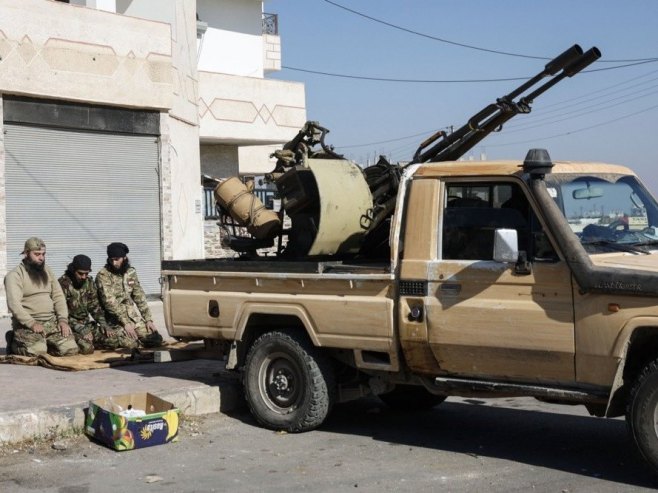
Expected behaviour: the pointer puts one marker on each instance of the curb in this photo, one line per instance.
(17, 426)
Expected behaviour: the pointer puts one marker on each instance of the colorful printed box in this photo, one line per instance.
(130, 421)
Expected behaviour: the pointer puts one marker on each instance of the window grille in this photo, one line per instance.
(270, 24)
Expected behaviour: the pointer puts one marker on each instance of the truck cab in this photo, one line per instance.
(526, 319)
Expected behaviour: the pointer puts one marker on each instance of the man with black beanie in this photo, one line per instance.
(124, 300)
(86, 317)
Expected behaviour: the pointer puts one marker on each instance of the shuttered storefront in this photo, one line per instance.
(80, 190)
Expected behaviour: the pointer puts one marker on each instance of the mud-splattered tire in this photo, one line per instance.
(642, 414)
(289, 385)
(410, 398)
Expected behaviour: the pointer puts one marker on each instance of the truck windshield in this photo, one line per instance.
(607, 212)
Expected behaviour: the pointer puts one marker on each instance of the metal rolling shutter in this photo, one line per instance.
(79, 191)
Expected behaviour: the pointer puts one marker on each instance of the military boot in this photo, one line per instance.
(152, 340)
(9, 339)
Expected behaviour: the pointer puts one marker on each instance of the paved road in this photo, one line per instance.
(464, 445)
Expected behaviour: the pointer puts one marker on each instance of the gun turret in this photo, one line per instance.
(451, 147)
(336, 208)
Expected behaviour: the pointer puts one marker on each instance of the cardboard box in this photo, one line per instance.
(116, 421)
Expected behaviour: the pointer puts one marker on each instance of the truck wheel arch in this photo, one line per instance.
(637, 347)
(254, 319)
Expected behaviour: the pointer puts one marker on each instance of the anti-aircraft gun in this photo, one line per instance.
(338, 209)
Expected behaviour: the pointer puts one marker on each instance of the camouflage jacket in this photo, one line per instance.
(82, 302)
(122, 297)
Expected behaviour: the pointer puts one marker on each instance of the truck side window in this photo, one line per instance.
(473, 211)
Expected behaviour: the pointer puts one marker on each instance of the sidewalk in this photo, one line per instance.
(37, 401)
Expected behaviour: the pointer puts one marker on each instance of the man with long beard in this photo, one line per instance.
(124, 300)
(38, 308)
(86, 317)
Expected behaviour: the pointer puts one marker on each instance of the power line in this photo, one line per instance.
(564, 134)
(463, 45)
(584, 111)
(385, 79)
(571, 132)
(442, 40)
(412, 146)
(600, 106)
(384, 141)
(587, 97)
(445, 81)
(535, 122)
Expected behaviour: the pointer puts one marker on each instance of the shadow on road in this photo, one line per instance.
(587, 446)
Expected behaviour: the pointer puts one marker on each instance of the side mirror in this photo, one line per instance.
(506, 245)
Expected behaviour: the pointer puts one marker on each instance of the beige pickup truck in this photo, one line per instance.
(532, 278)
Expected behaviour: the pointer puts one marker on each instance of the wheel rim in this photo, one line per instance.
(655, 420)
(280, 383)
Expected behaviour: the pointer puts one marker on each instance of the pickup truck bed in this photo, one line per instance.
(276, 265)
(340, 305)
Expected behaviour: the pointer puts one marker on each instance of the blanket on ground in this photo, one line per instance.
(99, 358)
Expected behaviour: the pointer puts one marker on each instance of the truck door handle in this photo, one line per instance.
(450, 288)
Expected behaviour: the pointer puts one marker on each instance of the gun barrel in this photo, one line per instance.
(588, 58)
(564, 59)
(492, 117)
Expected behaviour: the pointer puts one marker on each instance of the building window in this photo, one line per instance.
(210, 209)
(270, 24)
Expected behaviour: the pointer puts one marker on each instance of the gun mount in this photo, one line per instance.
(338, 208)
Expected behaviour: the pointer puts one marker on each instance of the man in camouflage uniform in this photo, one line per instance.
(124, 301)
(38, 308)
(86, 317)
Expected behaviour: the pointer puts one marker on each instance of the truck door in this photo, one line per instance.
(485, 318)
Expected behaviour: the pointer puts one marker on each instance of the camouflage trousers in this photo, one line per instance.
(29, 343)
(119, 338)
(91, 335)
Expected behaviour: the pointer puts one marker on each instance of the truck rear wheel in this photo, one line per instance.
(289, 385)
(411, 398)
(642, 414)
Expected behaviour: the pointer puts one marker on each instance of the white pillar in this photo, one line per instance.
(106, 5)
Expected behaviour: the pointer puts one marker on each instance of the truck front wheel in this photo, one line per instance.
(289, 385)
(642, 414)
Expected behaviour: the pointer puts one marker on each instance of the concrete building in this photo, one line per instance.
(111, 110)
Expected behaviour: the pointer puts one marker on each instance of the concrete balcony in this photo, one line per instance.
(247, 111)
(56, 50)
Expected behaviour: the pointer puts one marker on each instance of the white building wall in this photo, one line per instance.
(56, 50)
(107, 5)
(233, 42)
(182, 218)
(256, 160)
(144, 59)
(249, 110)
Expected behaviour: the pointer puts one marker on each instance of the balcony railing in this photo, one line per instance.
(271, 24)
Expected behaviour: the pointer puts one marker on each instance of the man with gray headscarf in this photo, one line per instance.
(38, 307)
